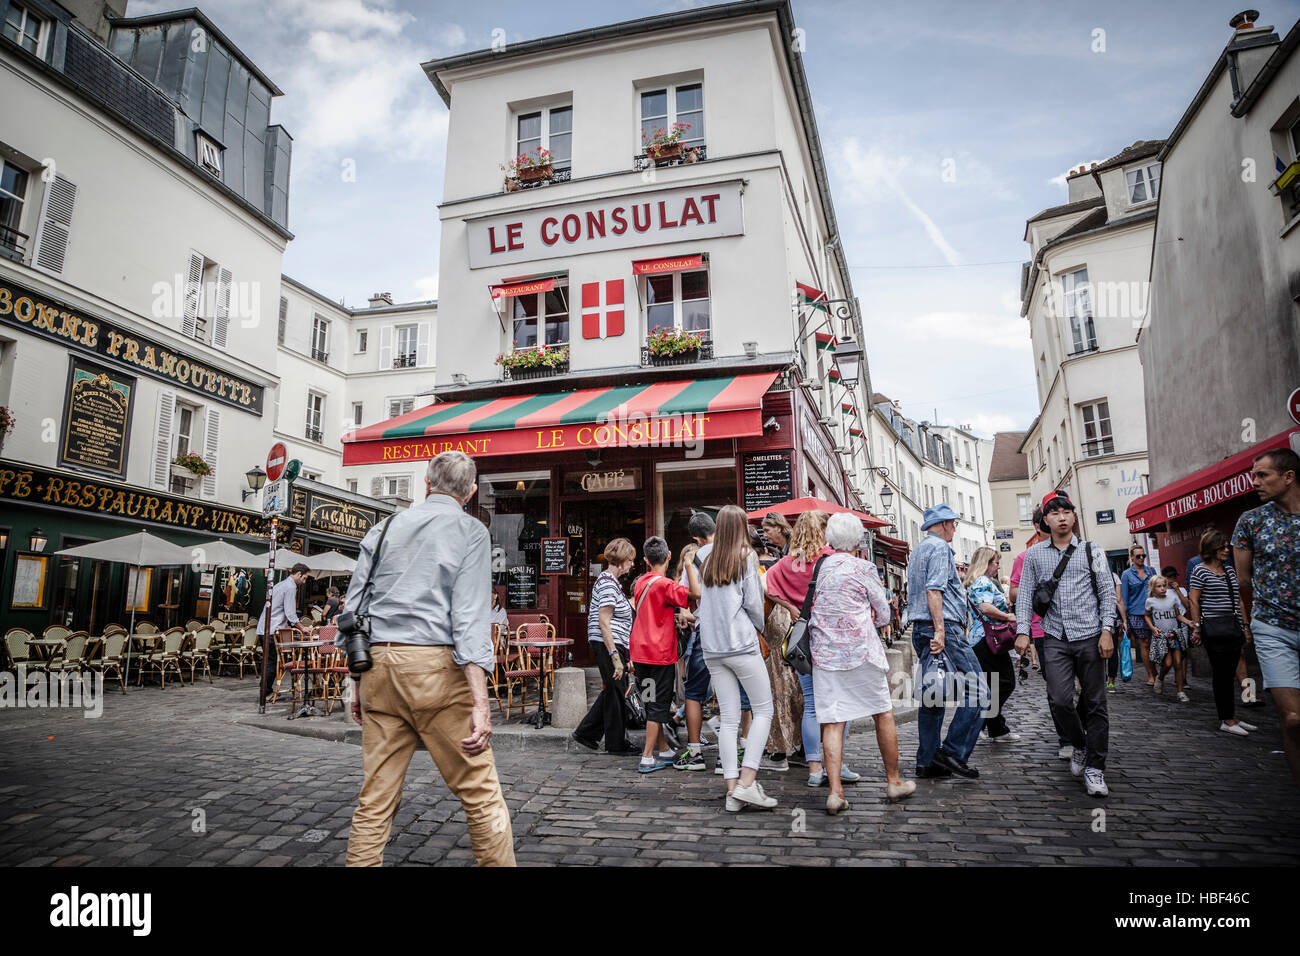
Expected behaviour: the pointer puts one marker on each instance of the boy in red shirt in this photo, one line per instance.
(653, 647)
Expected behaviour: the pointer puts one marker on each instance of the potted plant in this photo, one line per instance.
(535, 362)
(667, 345)
(189, 466)
(665, 144)
(7, 423)
(528, 167)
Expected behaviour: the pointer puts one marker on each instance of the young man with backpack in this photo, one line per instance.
(653, 649)
(1068, 583)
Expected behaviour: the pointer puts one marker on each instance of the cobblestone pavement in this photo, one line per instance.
(169, 777)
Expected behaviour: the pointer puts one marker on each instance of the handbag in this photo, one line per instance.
(1125, 658)
(1223, 630)
(797, 650)
(999, 636)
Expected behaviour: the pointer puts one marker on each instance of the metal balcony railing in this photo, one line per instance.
(1098, 447)
(315, 434)
(690, 154)
(405, 360)
(13, 243)
(320, 356)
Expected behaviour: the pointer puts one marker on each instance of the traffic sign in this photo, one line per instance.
(291, 470)
(275, 460)
(275, 500)
(1293, 406)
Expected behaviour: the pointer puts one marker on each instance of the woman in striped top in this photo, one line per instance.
(609, 628)
(1213, 592)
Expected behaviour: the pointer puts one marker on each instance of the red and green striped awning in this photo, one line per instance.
(658, 414)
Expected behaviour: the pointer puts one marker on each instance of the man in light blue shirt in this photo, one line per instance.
(937, 612)
(284, 601)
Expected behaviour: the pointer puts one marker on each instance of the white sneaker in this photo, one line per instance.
(1077, 758)
(1010, 738)
(1250, 727)
(1159, 688)
(1094, 781)
(753, 795)
(1237, 729)
(734, 805)
(1065, 751)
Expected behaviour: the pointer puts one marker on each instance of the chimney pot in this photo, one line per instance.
(380, 299)
(1244, 20)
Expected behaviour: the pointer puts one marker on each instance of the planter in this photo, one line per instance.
(533, 174)
(678, 358)
(535, 371)
(664, 153)
(180, 471)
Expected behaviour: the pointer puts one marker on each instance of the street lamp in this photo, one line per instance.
(256, 479)
(38, 540)
(848, 362)
(886, 495)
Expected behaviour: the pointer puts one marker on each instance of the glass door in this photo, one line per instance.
(590, 524)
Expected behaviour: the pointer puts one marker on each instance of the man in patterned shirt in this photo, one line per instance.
(1077, 635)
(1266, 553)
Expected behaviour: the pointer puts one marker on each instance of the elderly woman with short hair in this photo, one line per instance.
(850, 670)
(609, 629)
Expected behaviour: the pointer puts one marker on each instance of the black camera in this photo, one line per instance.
(355, 629)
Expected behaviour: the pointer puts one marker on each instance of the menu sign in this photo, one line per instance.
(27, 485)
(521, 587)
(97, 419)
(41, 315)
(768, 479)
(555, 555)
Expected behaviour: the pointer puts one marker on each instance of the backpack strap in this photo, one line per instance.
(812, 588)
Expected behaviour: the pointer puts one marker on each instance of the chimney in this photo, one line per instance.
(1248, 51)
(1244, 20)
(381, 299)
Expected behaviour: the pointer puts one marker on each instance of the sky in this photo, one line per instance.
(944, 126)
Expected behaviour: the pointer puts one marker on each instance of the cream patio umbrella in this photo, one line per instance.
(222, 554)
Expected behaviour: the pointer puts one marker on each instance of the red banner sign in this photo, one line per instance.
(523, 288)
(1207, 497)
(643, 267)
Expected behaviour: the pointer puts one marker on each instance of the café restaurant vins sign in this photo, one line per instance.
(41, 315)
(618, 222)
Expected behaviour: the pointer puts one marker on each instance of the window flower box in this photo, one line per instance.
(673, 346)
(528, 168)
(536, 362)
(190, 466)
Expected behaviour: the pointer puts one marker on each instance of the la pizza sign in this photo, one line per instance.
(648, 218)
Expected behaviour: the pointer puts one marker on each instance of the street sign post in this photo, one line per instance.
(275, 498)
(1293, 406)
(275, 461)
(291, 470)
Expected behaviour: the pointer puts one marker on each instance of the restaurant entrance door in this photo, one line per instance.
(590, 524)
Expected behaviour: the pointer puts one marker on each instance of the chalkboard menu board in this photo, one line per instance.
(768, 479)
(521, 587)
(97, 419)
(555, 555)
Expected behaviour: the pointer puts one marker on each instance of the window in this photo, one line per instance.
(400, 406)
(356, 413)
(315, 416)
(13, 192)
(209, 155)
(1024, 509)
(311, 475)
(961, 504)
(663, 107)
(320, 338)
(184, 440)
(551, 309)
(352, 485)
(943, 489)
(394, 486)
(404, 357)
(207, 301)
(1076, 301)
(1096, 430)
(284, 318)
(679, 300)
(362, 339)
(1143, 184)
(26, 30)
(551, 129)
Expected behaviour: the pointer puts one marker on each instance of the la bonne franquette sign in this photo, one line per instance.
(689, 213)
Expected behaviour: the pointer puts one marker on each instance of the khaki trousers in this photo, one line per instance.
(413, 694)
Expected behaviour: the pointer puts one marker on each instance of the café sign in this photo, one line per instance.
(1217, 493)
(341, 518)
(22, 484)
(684, 214)
(24, 309)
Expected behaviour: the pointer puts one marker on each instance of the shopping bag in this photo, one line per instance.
(1125, 658)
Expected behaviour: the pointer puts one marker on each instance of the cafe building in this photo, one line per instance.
(644, 328)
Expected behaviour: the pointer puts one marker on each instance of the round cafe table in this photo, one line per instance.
(543, 715)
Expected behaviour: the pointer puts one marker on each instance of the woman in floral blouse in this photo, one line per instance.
(987, 601)
(850, 671)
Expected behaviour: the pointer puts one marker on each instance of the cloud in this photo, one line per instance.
(426, 287)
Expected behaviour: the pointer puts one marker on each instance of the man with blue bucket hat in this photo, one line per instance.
(937, 613)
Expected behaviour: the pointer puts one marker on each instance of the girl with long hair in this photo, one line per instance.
(988, 603)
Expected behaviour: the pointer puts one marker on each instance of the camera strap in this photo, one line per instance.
(370, 573)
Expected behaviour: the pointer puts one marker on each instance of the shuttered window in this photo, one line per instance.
(55, 229)
(284, 318)
(162, 452)
(211, 446)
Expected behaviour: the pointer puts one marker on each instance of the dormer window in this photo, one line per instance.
(24, 28)
(209, 154)
(1143, 184)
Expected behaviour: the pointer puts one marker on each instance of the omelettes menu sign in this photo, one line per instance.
(618, 222)
(41, 315)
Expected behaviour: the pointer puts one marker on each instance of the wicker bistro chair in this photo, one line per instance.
(288, 660)
(74, 653)
(111, 629)
(533, 663)
(167, 657)
(109, 664)
(241, 654)
(503, 657)
(193, 625)
(332, 664)
(56, 632)
(197, 654)
(144, 627)
(15, 646)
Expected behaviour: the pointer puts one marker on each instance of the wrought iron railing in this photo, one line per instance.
(1099, 446)
(320, 356)
(690, 154)
(12, 242)
(315, 434)
(557, 176)
(703, 353)
(404, 360)
(536, 371)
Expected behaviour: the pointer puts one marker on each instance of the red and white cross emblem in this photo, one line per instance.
(602, 321)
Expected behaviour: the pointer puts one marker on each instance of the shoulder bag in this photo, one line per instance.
(797, 650)
(999, 636)
(1223, 630)
(1045, 591)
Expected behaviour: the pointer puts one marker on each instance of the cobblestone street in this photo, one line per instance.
(128, 788)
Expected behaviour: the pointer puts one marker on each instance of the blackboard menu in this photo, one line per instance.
(521, 587)
(555, 556)
(97, 419)
(768, 479)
